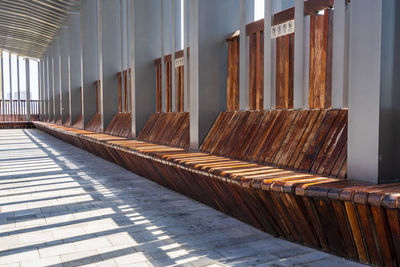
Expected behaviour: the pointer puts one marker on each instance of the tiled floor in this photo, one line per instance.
(61, 206)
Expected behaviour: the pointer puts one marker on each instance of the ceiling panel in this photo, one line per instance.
(27, 27)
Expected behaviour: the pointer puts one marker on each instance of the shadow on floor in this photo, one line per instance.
(151, 224)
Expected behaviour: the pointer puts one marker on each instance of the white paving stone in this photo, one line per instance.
(61, 206)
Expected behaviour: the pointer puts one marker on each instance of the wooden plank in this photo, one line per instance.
(277, 141)
(357, 235)
(260, 72)
(393, 218)
(158, 88)
(289, 144)
(252, 72)
(315, 141)
(331, 140)
(369, 234)
(384, 235)
(345, 229)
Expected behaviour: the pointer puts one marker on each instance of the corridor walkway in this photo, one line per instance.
(61, 206)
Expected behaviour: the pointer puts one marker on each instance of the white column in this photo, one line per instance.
(340, 55)
(173, 78)
(123, 52)
(57, 93)
(306, 58)
(243, 88)
(298, 81)
(2, 83)
(28, 89)
(163, 76)
(64, 74)
(364, 90)
(194, 73)
(100, 56)
(131, 61)
(185, 57)
(128, 53)
(11, 96)
(40, 89)
(268, 63)
(110, 55)
(89, 57)
(18, 90)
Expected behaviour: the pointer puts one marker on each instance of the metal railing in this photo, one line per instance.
(17, 110)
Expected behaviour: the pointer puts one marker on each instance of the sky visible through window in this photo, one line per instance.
(34, 83)
(258, 9)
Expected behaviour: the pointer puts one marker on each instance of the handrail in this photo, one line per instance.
(7, 104)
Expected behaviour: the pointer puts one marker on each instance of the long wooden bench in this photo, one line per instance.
(280, 171)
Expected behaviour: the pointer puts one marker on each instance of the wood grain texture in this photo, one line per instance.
(179, 89)
(120, 125)
(67, 121)
(94, 123)
(307, 140)
(158, 88)
(170, 128)
(320, 74)
(232, 91)
(79, 122)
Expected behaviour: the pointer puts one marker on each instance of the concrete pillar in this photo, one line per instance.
(74, 66)
(210, 22)
(28, 89)
(45, 86)
(173, 49)
(89, 57)
(246, 16)
(64, 71)
(40, 88)
(298, 76)
(364, 84)
(124, 64)
(11, 87)
(18, 111)
(110, 62)
(340, 54)
(56, 79)
(389, 109)
(186, 92)
(374, 112)
(145, 20)
(268, 63)
(163, 44)
(2, 83)
(130, 52)
(50, 79)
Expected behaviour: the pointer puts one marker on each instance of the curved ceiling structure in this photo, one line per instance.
(27, 27)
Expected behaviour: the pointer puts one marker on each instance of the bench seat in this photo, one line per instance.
(351, 219)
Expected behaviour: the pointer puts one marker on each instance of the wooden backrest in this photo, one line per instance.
(79, 122)
(307, 140)
(120, 125)
(123, 78)
(171, 128)
(179, 73)
(94, 123)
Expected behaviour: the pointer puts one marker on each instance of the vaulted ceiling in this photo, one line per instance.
(27, 27)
